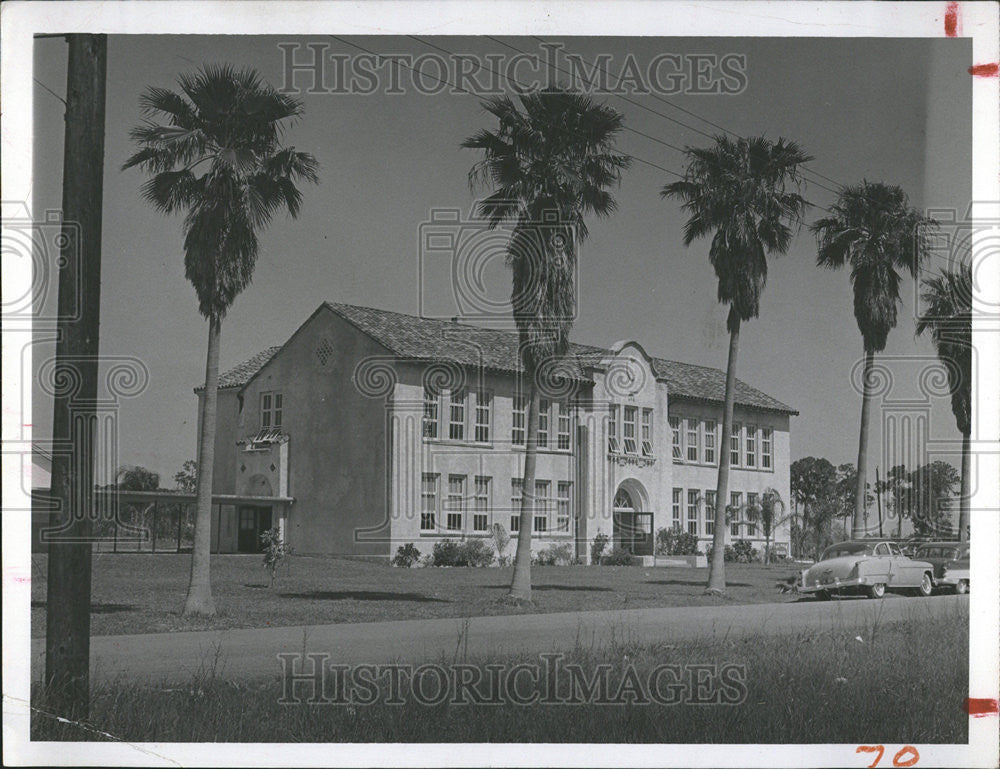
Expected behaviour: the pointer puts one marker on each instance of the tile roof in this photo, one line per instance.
(411, 337)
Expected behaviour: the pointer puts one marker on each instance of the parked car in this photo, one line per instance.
(951, 564)
(869, 567)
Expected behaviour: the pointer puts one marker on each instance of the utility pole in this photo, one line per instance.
(67, 627)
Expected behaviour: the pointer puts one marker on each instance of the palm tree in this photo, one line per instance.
(230, 123)
(744, 192)
(948, 317)
(771, 511)
(549, 162)
(873, 229)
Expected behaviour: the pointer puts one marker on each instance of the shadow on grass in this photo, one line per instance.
(362, 595)
(583, 588)
(96, 608)
(692, 582)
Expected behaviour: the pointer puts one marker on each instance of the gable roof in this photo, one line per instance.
(410, 337)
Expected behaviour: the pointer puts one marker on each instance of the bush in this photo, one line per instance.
(406, 556)
(597, 547)
(555, 555)
(745, 552)
(472, 552)
(275, 551)
(673, 542)
(618, 557)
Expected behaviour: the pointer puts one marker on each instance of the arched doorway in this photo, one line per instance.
(633, 526)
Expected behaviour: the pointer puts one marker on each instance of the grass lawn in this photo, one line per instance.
(891, 683)
(144, 593)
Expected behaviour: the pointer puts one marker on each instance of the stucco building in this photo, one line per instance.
(370, 429)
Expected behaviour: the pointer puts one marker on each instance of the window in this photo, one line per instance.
(676, 508)
(430, 413)
(564, 426)
(708, 442)
(647, 432)
(735, 503)
(751, 514)
(481, 517)
(710, 512)
(613, 447)
(517, 431)
(456, 422)
(692, 440)
(628, 429)
(456, 502)
(542, 505)
(675, 438)
(516, 492)
(750, 444)
(428, 502)
(484, 416)
(765, 448)
(734, 445)
(565, 491)
(544, 409)
(693, 511)
(270, 410)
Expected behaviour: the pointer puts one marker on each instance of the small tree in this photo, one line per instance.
(500, 541)
(187, 478)
(275, 551)
(771, 512)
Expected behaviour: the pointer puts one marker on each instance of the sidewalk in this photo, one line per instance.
(243, 654)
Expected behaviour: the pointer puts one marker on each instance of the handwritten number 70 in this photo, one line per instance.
(910, 753)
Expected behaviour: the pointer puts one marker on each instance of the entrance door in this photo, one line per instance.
(633, 529)
(253, 521)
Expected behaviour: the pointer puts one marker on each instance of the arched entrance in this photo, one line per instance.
(633, 525)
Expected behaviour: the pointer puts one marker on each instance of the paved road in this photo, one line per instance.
(175, 658)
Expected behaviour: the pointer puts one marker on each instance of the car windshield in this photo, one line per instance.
(847, 548)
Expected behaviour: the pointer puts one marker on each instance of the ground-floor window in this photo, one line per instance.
(565, 490)
(456, 502)
(481, 517)
(693, 511)
(709, 513)
(736, 505)
(676, 508)
(428, 502)
(542, 502)
(516, 493)
(751, 514)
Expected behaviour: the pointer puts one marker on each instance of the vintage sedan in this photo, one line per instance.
(869, 567)
(951, 564)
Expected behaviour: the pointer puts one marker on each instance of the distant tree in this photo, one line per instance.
(948, 316)
(187, 478)
(933, 490)
(896, 490)
(771, 512)
(874, 231)
(813, 485)
(136, 478)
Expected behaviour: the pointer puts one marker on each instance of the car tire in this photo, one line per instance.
(926, 586)
(962, 587)
(877, 590)
(822, 595)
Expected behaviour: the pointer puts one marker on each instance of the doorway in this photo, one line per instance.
(633, 528)
(253, 521)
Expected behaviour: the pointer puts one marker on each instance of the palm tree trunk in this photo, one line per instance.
(199, 597)
(858, 522)
(520, 585)
(717, 569)
(964, 501)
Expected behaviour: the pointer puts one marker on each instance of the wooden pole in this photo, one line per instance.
(67, 625)
(181, 509)
(156, 508)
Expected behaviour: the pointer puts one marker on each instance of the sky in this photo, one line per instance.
(894, 110)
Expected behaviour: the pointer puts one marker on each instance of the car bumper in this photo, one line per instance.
(834, 584)
(952, 578)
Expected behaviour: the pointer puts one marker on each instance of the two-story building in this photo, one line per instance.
(371, 429)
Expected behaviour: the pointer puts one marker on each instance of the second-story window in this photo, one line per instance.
(484, 416)
(647, 432)
(544, 408)
(564, 426)
(766, 438)
(430, 413)
(708, 443)
(675, 438)
(628, 430)
(613, 446)
(692, 440)
(734, 445)
(270, 410)
(517, 430)
(751, 446)
(456, 418)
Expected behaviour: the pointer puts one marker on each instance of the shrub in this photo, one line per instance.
(598, 546)
(673, 542)
(275, 551)
(472, 552)
(618, 557)
(555, 555)
(500, 541)
(745, 552)
(406, 556)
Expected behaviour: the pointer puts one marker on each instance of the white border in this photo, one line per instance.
(20, 20)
